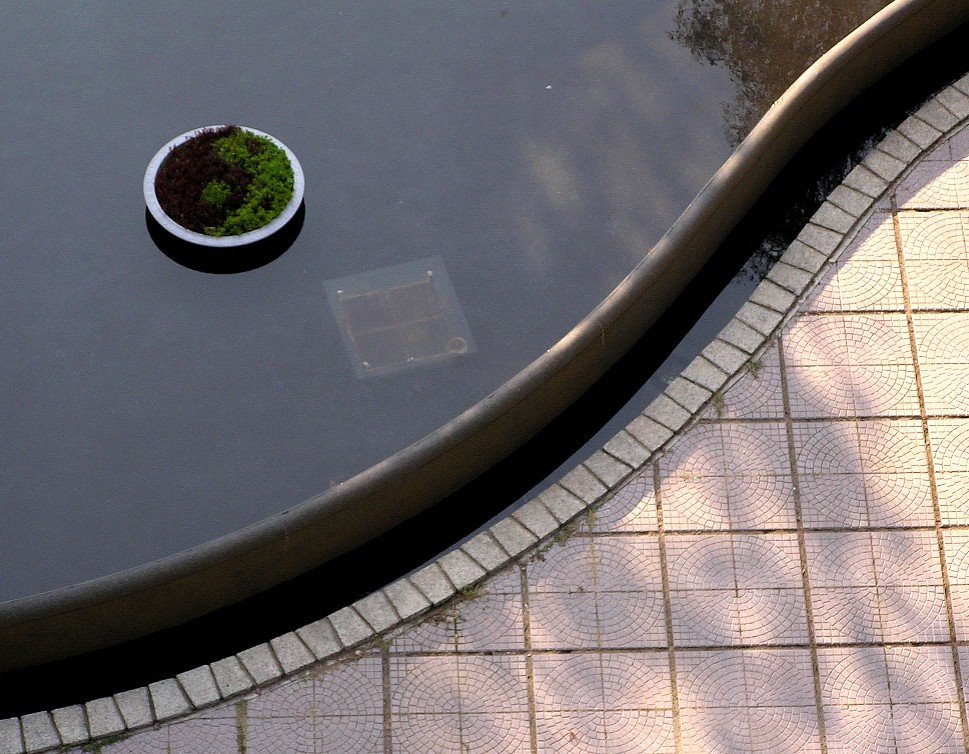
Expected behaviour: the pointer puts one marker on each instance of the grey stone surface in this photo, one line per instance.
(610, 470)
(729, 358)
(199, 686)
(103, 717)
(350, 627)
(804, 257)
(433, 584)
(377, 611)
(11, 741)
(535, 517)
(736, 333)
(851, 201)
(919, 131)
(651, 434)
(582, 482)
(933, 113)
(514, 537)
(485, 551)
(291, 652)
(39, 732)
(168, 699)
(764, 320)
(561, 503)
(832, 216)
(231, 677)
(772, 296)
(71, 724)
(791, 278)
(883, 165)
(962, 84)
(703, 373)
(954, 101)
(688, 394)
(824, 240)
(627, 448)
(460, 569)
(260, 663)
(863, 180)
(135, 707)
(320, 637)
(900, 146)
(406, 598)
(668, 412)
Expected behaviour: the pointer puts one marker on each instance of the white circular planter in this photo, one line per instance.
(221, 242)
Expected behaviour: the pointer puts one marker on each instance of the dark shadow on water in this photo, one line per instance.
(226, 261)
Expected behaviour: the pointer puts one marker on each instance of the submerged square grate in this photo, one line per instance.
(399, 317)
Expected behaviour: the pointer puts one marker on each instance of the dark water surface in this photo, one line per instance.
(537, 148)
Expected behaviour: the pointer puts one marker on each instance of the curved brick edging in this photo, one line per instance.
(774, 302)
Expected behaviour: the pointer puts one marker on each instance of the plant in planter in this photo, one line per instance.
(223, 186)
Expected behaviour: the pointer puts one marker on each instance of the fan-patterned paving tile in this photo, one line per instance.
(840, 559)
(636, 680)
(298, 696)
(492, 684)
(853, 676)
(767, 561)
(571, 731)
(705, 618)
(943, 386)
(491, 622)
(631, 619)
(952, 149)
(695, 503)
(700, 561)
(934, 185)
(784, 730)
(716, 731)
(933, 235)
(846, 615)
(901, 499)
(833, 501)
(950, 445)
(502, 733)
(151, 741)
(421, 733)
(568, 681)
(565, 567)
(277, 735)
(206, 734)
(563, 621)
(631, 509)
(820, 392)
(877, 339)
(697, 453)
(921, 675)
(823, 448)
(772, 616)
(436, 633)
(779, 677)
(347, 735)
(638, 731)
(424, 685)
(938, 283)
(627, 563)
(885, 390)
(928, 727)
(913, 613)
(761, 501)
(906, 558)
(711, 679)
(860, 729)
(957, 556)
(755, 448)
(942, 339)
(756, 394)
(816, 341)
(892, 446)
(960, 612)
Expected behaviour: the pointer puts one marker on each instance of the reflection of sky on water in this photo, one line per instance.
(146, 407)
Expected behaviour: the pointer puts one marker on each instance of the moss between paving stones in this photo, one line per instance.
(225, 182)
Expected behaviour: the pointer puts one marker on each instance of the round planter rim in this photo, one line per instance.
(221, 242)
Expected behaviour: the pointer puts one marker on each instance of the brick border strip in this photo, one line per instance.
(774, 302)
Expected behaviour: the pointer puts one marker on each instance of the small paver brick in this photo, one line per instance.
(168, 699)
(804, 257)
(514, 537)
(962, 84)
(135, 707)
(760, 318)
(919, 131)
(231, 677)
(291, 652)
(824, 240)
(561, 503)
(628, 449)
(583, 483)
(651, 434)
(772, 296)
(320, 637)
(832, 216)
(668, 412)
(736, 333)
(883, 165)
(434, 584)
(729, 358)
(900, 146)
(199, 685)
(71, 724)
(703, 373)
(610, 470)
(690, 395)
(406, 598)
(793, 279)
(863, 180)
(103, 717)
(350, 627)
(11, 741)
(853, 202)
(936, 115)
(39, 732)
(260, 663)
(536, 518)
(485, 551)
(954, 101)
(460, 569)
(377, 611)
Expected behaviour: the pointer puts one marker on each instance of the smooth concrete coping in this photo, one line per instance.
(173, 590)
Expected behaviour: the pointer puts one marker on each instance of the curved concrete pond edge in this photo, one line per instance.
(123, 606)
(454, 576)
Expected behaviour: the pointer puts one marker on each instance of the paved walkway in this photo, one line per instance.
(791, 576)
